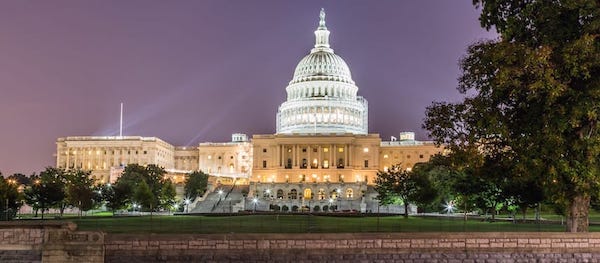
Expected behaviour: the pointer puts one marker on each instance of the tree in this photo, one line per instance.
(143, 196)
(48, 190)
(167, 195)
(153, 176)
(533, 99)
(399, 184)
(195, 185)
(115, 196)
(81, 192)
(10, 199)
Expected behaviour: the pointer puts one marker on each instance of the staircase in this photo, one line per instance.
(221, 203)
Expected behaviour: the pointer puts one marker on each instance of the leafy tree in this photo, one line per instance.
(143, 195)
(154, 178)
(47, 191)
(168, 194)
(10, 199)
(195, 185)
(115, 196)
(81, 192)
(398, 183)
(533, 100)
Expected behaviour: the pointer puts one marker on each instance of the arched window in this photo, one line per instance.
(321, 194)
(289, 163)
(293, 194)
(307, 193)
(279, 194)
(349, 193)
(334, 194)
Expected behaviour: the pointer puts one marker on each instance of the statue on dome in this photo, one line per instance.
(322, 17)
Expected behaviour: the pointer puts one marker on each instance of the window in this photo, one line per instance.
(219, 158)
(349, 193)
(325, 149)
(321, 194)
(304, 164)
(315, 150)
(264, 164)
(340, 163)
(341, 149)
(366, 163)
(293, 194)
(231, 157)
(303, 150)
(408, 157)
(421, 156)
(307, 193)
(366, 150)
(289, 164)
(279, 194)
(264, 150)
(145, 152)
(325, 164)
(385, 156)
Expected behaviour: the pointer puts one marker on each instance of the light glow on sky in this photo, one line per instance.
(197, 71)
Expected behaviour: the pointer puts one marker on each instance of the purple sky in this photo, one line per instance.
(196, 71)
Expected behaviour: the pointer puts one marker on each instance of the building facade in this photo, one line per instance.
(322, 151)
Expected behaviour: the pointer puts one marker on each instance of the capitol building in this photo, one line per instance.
(321, 158)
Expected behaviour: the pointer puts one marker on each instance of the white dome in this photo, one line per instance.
(322, 65)
(322, 97)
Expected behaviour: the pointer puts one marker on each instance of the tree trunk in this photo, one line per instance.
(577, 216)
(405, 210)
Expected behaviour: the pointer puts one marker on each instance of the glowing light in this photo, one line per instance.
(449, 207)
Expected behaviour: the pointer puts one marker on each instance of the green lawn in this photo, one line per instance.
(300, 224)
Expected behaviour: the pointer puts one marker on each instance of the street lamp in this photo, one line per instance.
(255, 201)
(220, 194)
(330, 204)
(187, 202)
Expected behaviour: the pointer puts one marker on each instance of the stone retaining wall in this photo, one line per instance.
(410, 247)
(60, 242)
(44, 241)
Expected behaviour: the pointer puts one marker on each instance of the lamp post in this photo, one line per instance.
(187, 203)
(255, 201)
(220, 194)
(330, 204)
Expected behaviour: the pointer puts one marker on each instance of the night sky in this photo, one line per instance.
(197, 71)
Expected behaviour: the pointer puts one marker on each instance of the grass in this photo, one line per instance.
(300, 224)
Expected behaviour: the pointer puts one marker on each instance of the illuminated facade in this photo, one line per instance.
(321, 152)
(322, 97)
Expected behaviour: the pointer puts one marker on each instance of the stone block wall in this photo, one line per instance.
(60, 242)
(382, 247)
(49, 241)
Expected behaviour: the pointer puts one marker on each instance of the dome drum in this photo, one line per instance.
(318, 89)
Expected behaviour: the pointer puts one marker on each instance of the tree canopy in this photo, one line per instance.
(532, 100)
